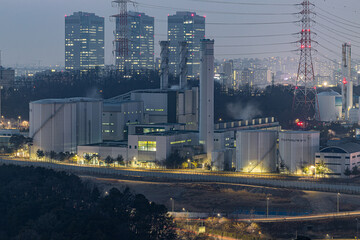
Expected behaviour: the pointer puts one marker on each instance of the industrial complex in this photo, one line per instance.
(145, 127)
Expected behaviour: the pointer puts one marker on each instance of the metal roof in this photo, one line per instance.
(67, 100)
(329, 93)
(346, 147)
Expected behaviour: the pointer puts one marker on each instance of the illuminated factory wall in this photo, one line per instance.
(61, 125)
(256, 151)
(297, 149)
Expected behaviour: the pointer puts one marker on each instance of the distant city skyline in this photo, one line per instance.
(32, 32)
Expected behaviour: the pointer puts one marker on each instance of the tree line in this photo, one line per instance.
(41, 204)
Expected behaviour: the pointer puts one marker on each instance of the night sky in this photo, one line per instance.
(32, 31)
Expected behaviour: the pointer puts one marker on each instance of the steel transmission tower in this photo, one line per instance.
(121, 42)
(305, 102)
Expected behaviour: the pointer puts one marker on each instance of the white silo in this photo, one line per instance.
(61, 125)
(297, 149)
(330, 105)
(256, 151)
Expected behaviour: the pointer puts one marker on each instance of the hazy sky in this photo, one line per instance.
(32, 31)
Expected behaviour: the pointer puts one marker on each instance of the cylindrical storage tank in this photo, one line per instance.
(61, 125)
(330, 105)
(297, 149)
(256, 151)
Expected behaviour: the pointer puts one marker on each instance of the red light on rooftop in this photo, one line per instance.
(204, 16)
(139, 15)
(65, 15)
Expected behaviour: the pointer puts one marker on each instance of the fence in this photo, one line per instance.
(194, 177)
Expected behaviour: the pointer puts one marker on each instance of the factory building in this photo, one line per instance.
(61, 125)
(153, 128)
(166, 106)
(297, 149)
(338, 158)
(144, 148)
(105, 149)
(256, 151)
(118, 116)
(330, 106)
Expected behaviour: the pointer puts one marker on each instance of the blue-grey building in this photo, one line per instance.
(189, 27)
(139, 55)
(84, 41)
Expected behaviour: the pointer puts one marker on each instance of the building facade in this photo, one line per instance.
(189, 27)
(139, 55)
(339, 158)
(7, 77)
(60, 125)
(84, 41)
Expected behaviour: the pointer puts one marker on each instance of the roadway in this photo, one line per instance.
(270, 219)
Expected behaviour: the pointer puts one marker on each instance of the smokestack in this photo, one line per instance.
(347, 84)
(183, 64)
(206, 127)
(164, 77)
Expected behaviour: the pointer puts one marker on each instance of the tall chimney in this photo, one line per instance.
(347, 84)
(206, 127)
(164, 77)
(183, 64)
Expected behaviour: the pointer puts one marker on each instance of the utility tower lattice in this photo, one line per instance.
(305, 95)
(121, 42)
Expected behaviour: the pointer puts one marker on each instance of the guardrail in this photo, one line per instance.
(193, 177)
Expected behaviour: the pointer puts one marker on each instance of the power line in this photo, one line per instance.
(255, 36)
(238, 24)
(334, 38)
(255, 45)
(246, 3)
(337, 21)
(342, 27)
(334, 15)
(336, 31)
(215, 12)
(258, 53)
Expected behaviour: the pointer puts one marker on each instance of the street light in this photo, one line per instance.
(172, 204)
(313, 167)
(357, 228)
(267, 206)
(338, 202)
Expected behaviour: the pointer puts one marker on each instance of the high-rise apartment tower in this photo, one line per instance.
(84, 41)
(188, 27)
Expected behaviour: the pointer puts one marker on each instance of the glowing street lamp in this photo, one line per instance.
(313, 167)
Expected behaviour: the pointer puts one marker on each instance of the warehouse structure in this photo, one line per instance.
(61, 125)
(256, 151)
(339, 158)
(297, 149)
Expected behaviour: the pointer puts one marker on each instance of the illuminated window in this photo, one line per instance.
(149, 146)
